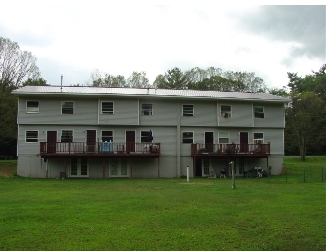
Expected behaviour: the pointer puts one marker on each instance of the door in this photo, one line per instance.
(91, 140)
(198, 167)
(51, 141)
(208, 140)
(130, 141)
(79, 168)
(205, 167)
(118, 167)
(244, 141)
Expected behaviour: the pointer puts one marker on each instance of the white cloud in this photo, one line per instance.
(119, 37)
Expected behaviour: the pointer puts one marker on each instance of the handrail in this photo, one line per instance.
(221, 149)
(98, 148)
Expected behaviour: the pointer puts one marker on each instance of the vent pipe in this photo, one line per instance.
(61, 82)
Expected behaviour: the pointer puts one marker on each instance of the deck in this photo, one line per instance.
(230, 150)
(99, 149)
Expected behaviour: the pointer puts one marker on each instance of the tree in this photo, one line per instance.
(279, 91)
(35, 82)
(173, 79)
(99, 79)
(245, 82)
(138, 80)
(305, 121)
(16, 66)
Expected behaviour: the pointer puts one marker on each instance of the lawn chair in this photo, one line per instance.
(223, 173)
(212, 174)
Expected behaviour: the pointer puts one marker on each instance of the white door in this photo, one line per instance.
(205, 167)
(79, 168)
(118, 168)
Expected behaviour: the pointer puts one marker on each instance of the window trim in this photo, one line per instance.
(37, 139)
(263, 112)
(111, 136)
(62, 103)
(108, 113)
(223, 137)
(186, 138)
(187, 113)
(33, 112)
(150, 111)
(225, 114)
(256, 140)
(67, 130)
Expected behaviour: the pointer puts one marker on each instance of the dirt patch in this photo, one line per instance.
(7, 171)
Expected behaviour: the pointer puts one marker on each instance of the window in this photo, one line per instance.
(146, 109)
(32, 107)
(145, 136)
(107, 108)
(31, 136)
(107, 136)
(188, 110)
(223, 137)
(225, 111)
(67, 136)
(258, 112)
(187, 137)
(258, 138)
(67, 107)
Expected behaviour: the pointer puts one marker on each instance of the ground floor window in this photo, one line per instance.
(31, 136)
(258, 138)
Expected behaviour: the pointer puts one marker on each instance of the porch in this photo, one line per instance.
(99, 149)
(230, 150)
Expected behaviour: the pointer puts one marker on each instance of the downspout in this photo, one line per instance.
(178, 141)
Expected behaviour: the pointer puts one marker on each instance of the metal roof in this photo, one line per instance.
(183, 93)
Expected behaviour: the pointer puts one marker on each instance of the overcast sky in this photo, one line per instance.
(118, 37)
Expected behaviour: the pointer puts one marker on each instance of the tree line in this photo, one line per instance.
(305, 128)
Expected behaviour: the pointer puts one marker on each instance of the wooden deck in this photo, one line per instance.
(99, 149)
(230, 150)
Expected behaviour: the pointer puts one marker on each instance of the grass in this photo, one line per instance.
(162, 214)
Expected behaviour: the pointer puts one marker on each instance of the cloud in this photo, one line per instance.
(303, 26)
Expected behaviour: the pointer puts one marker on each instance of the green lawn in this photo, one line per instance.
(162, 214)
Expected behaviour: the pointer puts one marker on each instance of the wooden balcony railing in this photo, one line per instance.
(231, 149)
(99, 148)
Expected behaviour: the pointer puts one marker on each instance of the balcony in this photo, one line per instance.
(99, 149)
(247, 150)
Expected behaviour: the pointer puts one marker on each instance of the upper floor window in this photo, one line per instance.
(258, 138)
(146, 109)
(31, 136)
(225, 111)
(187, 137)
(188, 110)
(107, 136)
(258, 112)
(67, 107)
(32, 107)
(107, 108)
(66, 136)
(223, 137)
